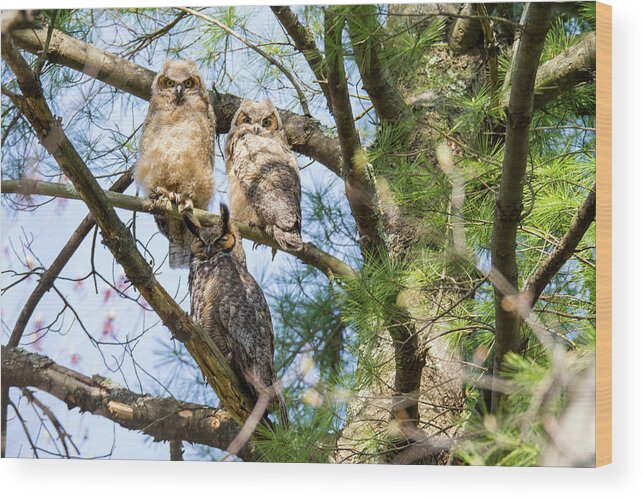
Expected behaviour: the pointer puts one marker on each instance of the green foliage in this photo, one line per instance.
(309, 440)
(516, 434)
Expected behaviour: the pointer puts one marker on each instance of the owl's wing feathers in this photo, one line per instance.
(275, 194)
(245, 322)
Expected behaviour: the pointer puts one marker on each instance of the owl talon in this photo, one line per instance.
(186, 206)
(161, 204)
(160, 192)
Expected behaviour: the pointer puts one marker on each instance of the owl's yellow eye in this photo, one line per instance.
(188, 83)
(266, 122)
(247, 119)
(169, 83)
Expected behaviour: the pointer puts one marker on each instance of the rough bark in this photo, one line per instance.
(574, 66)
(304, 134)
(465, 31)
(509, 199)
(164, 419)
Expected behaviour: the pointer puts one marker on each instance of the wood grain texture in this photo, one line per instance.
(604, 235)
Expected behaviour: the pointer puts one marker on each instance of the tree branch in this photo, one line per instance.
(363, 28)
(305, 43)
(465, 31)
(48, 277)
(575, 65)
(310, 254)
(564, 249)
(45, 283)
(272, 60)
(359, 192)
(509, 201)
(161, 418)
(120, 242)
(304, 134)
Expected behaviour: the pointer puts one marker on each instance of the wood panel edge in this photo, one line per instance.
(604, 234)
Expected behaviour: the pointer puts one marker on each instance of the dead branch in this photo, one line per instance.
(164, 419)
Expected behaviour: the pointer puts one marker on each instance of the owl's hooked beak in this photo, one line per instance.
(179, 93)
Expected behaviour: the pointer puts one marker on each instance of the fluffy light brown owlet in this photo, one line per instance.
(264, 186)
(176, 159)
(229, 304)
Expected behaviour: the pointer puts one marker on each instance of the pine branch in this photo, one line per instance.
(564, 250)
(359, 192)
(305, 43)
(364, 29)
(272, 60)
(164, 419)
(304, 134)
(310, 254)
(572, 67)
(120, 242)
(465, 31)
(509, 200)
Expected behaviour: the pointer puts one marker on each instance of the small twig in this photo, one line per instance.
(23, 423)
(266, 394)
(262, 53)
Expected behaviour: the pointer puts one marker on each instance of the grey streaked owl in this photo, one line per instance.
(177, 149)
(264, 186)
(229, 304)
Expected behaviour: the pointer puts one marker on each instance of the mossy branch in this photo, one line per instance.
(309, 254)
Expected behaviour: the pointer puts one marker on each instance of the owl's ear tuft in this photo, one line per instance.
(227, 239)
(192, 223)
(225, 218)
(166, 64)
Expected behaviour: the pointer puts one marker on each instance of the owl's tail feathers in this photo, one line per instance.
(179, 255)
(179, 238)
(289, 241)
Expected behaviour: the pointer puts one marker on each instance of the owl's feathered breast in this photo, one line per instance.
(229, 305)
(177, 149)
(264, 179)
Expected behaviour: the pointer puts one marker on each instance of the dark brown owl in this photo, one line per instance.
(264, 186)
(229, 304)
(177, 149)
